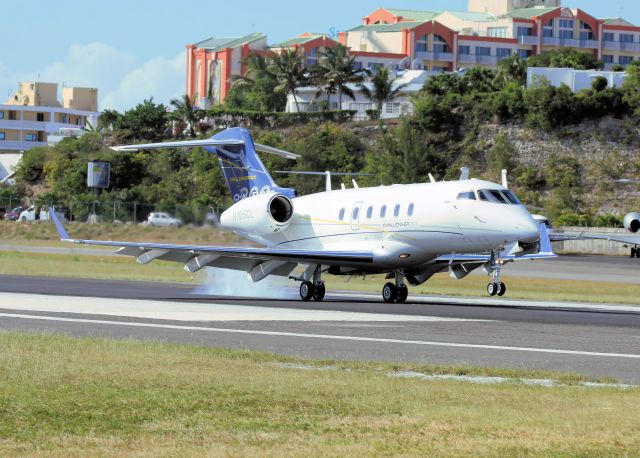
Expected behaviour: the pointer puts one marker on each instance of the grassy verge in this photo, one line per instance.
(76, 397)
(125, 268)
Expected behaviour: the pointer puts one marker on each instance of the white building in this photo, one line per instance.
(309, 100)
(33, 113)
(575, 79)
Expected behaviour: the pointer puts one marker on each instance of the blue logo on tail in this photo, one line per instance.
(245, 173)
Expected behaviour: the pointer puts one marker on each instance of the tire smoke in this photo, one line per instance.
(235, 283)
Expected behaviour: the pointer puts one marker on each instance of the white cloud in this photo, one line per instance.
(160, 78)
(122, 80)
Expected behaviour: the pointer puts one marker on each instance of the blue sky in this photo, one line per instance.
(134, 49)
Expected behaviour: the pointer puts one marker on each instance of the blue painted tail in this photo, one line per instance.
(245, 173)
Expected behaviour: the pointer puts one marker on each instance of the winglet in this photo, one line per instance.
(62, 232)
(545, 242)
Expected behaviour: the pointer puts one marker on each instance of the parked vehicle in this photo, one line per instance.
(29, 215)
(14, 214)
(162, 219)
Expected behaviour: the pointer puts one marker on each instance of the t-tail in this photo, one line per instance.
(245, 173)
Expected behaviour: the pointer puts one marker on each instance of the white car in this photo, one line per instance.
(29, 215)
(162, 219)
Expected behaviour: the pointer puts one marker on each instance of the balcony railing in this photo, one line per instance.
(475, 59)
(528, 40)
(11, 124)
(19, 145)
(571, 42)
(628, 46)
(436, 56)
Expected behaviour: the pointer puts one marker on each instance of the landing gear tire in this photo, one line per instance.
(389, 293)
(306, 291)
(402, 293)
(502, 288)
(633, 252)
(318, 292)
(492, 289)
(637, 252)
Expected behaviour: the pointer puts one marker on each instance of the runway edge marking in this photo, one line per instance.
(322, 336)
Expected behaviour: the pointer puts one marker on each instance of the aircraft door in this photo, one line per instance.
(355, 216)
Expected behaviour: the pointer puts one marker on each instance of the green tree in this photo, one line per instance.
(108, 119)
(290, 72)
(186, 111)
(632, 87)
(147, 121)
(384, 89)
(256, 89)
(513, 69)
(566, 58)
(334, 71)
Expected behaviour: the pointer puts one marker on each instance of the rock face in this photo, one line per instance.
(607, 150)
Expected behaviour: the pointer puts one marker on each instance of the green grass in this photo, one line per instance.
(61, 396)
(125, 268)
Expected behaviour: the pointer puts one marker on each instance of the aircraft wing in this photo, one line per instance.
(259, 262)
(565, 236)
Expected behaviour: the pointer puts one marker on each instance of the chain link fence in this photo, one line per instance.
(13, 208)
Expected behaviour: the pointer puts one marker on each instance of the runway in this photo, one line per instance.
(597, 340)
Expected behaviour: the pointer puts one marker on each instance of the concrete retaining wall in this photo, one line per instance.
(594, 246)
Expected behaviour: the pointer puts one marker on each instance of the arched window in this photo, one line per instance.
(440, 44)
(586, 32)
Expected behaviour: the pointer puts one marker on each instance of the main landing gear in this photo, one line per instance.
(496, 287)
(313, 289)
(397, 292)
(635, 252)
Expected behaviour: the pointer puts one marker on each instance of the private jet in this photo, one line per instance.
(408, 232)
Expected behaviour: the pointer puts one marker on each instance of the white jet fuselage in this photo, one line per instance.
(403, 225)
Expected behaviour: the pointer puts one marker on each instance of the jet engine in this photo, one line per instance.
(632, 222)
(262, 214)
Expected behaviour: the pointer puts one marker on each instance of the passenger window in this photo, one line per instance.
(383, 211)
(341, 215)
(355, 213)
(467, 195)
(499, 197)
(396, 210)
(410, 210)
(369, 212)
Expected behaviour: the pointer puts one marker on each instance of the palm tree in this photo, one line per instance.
(257, 66)
(512, 69)
(384, 89)
(290, 72)
(187, 112)
(334, 71)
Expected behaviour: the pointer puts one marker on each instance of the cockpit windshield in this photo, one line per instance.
(491, 195)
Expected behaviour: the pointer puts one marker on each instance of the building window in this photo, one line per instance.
(608, 36)
(607, 59)
(564, 33)
(483, 51)
(369, 212)
(503, 53)
(548, 29)
(40, 117)
(566, 24)
(421, 44)
(625, 60)
(440, 44)
(13, 116)
(396, 210)
(410, 210)
(1, 114)
(626, 38)
(383, 211)
(31, 137)
(524, 53)
(2, 136)
(586, 32)
(312, 57)
(440, 69)
(498, 32)
(341, 214)
(524, 31)
(391, 108)
(464, 49)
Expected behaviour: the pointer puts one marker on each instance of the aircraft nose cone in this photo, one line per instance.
(528, 230)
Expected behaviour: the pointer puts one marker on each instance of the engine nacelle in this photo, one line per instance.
(632, 222)
(262, 214)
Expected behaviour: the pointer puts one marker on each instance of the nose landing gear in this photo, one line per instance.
(397, 292)
(496, 287)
